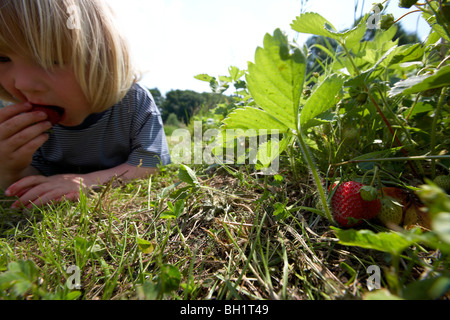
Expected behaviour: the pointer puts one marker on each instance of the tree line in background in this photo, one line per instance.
(181, 105)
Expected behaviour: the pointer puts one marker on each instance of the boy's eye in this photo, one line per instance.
(4, 59)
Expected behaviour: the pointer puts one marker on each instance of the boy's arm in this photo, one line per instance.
(39, 190)
(125, 172)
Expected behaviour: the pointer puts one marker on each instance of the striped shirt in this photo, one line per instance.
(130, 132)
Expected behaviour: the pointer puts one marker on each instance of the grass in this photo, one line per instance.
(225, 243)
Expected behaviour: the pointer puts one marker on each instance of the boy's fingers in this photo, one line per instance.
(11, 111)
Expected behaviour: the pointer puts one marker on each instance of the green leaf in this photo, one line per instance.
(21, 276)
(427, 289)
(251, 118)
(391, 242)
(322, 99)
(368, 75)
(178, 208)
(355, 35)
(441, 225)
(422, 83)
(268, 151)
(314, 23)
(144, 246)
(169, 278)
(187, 175)
(438, 204)
(276, 79)
(235, 73)
(438, 28)
(408, 52)
(381, 294)
(204, 77)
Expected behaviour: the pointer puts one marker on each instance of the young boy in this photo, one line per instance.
(69, 56)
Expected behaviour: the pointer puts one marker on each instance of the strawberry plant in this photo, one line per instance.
(376, 108)
(366, 94)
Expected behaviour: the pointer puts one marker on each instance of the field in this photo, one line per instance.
(355, 105)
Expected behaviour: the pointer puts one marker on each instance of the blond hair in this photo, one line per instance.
(79, 33)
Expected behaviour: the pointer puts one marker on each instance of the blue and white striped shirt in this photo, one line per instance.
(130, 132)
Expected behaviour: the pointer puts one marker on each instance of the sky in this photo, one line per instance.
(174, 40)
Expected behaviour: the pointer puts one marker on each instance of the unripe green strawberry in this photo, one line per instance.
(350, 134)
(349, 208)
(407, 3)
(443, 182)
(411, 218)
(361, 98)
(387, 21)
(391, 212)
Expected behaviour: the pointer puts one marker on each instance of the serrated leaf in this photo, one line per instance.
(408, 53)
(322, 99)
(314, 23)
(356, 34)
(235, 73)
(368, 75)
(252, 118)
(270, 150)
(204, 77)
(422, 83)
(276, 79)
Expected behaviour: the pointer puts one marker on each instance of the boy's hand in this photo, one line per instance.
(21, 134)
(40, 190)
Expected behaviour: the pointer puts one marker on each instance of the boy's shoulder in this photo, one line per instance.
(138, 91)
(139, 97)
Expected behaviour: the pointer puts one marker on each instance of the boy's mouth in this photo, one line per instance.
(54, 113)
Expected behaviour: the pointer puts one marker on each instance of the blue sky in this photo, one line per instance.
(174, 40)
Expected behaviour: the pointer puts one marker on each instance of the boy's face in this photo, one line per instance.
(28, 81)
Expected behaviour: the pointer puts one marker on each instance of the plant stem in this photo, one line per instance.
(406, 15)
(315, 176)
(433, 130)
(392, 159)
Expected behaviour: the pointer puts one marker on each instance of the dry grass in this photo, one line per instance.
(226, 244)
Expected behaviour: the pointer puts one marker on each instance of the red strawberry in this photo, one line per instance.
(54, 113)
(349, 208)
